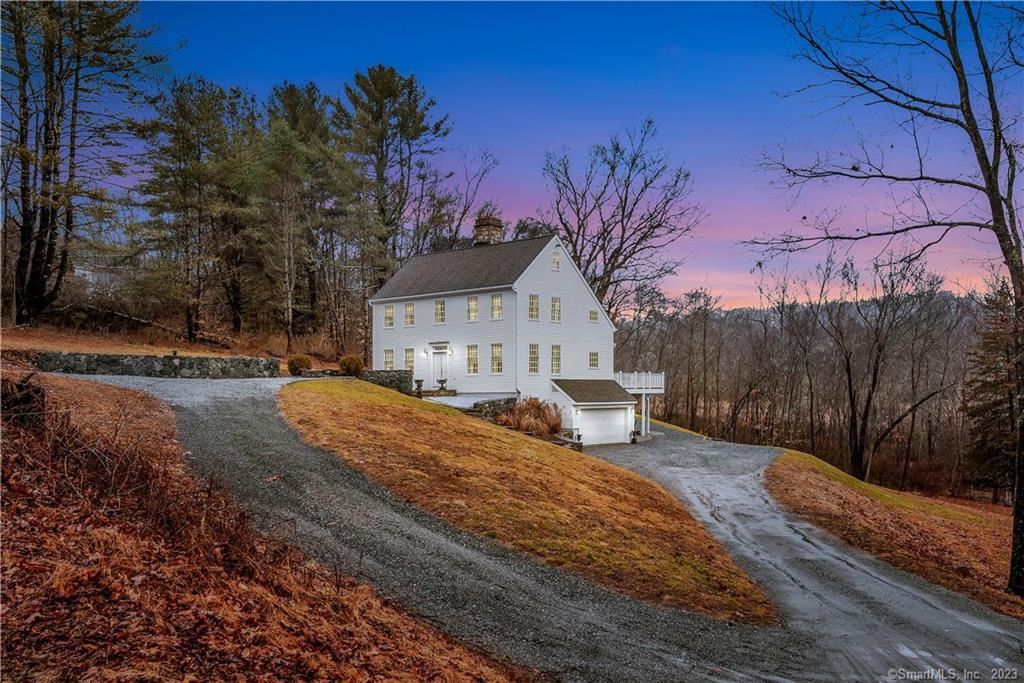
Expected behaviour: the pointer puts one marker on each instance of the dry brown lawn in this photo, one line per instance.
(116, 565)
(30, 339)
(566, 508)
(961, 545)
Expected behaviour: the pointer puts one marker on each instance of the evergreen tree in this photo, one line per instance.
(72, 75)
(195, 187)
(238, 235)
(285, 178)
(388, 126)
(990, 395)
(303, 110)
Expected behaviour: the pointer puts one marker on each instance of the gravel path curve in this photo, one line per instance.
(869, 617)
(470, 587)
(548, 619)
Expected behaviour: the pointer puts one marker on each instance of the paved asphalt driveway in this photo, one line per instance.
(868, 617)
(846, 616)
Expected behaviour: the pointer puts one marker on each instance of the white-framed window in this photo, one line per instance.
(472, 307)
(389, 359)
(534, 308)
(534, 359)
(497, 311)
(472, 359)
(496, 362)
(594, 360)
(556, 260)
(556, 309)
(410, 315)
(410, 360)
(556, 359)
(439, 311)
(593, 315)
(389, 315)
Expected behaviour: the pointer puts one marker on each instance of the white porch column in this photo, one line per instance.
(647, 414)
(643, 414)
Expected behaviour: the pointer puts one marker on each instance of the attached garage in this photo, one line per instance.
(597, 411)
(604, 425)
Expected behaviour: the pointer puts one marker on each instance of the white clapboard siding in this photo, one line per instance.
(457, 331)
(576, 333)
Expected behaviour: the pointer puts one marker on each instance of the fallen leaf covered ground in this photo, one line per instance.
(116, 564)
(566, 508)
(21, 342)
(961, 545)
(156, 343)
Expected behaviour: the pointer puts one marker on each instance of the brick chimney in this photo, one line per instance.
(487, 230)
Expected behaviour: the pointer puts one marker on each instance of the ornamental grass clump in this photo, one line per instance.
(299, 362)
(351, 366)
(533, 416)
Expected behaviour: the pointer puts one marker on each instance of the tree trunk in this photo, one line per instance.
(22, 314)
(313, 292)
(191, 322)
(233, 293)
(906, 454)
(1016, 583)
(810, 412)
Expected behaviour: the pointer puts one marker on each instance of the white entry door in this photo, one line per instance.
(440, 366)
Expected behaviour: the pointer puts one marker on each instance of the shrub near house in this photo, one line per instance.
(350, 366)
(299, 362)
(533, 416)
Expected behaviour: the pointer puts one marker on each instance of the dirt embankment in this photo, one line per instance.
(960, 545)
(117, 563)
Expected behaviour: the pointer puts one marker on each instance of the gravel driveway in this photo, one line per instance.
(470, 587)
(551, 620)
(868, 617)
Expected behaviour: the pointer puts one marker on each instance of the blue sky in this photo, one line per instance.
(524, 78)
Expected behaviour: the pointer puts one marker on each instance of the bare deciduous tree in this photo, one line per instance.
(620, 214)
(866, 328)
(944, 71)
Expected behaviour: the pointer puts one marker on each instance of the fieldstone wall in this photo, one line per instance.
(399, 380)
(494, 407)
(323, 372)
(211, 367)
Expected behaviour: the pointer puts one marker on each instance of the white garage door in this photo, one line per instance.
(603, 425)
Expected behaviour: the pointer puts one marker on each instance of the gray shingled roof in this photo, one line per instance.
(488, 265)
(593, 390)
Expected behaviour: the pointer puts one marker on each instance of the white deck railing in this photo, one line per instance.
(642, 382)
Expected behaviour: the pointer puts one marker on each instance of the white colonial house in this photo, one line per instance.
(503, 319)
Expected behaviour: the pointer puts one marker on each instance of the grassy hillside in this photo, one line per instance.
(963, 546)
(566, 508)
(117, 565)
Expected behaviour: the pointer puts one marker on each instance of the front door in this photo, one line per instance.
(440, 366)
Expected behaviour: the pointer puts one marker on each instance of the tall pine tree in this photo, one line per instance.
(990, 395)
(73, 77)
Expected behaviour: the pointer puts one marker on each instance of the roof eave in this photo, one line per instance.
(451, 292)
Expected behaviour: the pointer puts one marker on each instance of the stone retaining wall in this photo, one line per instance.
(212, 367)
(494, 407)
(399, 380)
